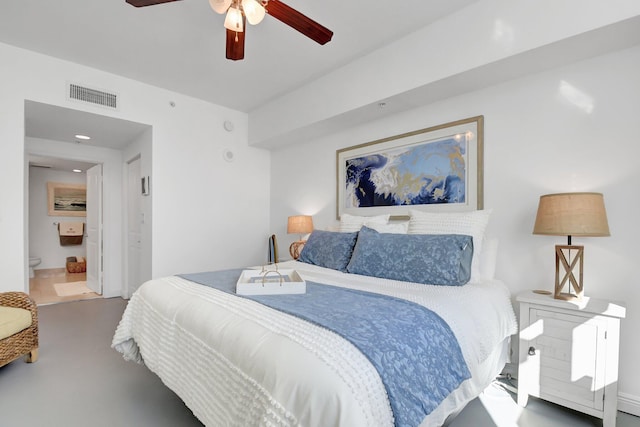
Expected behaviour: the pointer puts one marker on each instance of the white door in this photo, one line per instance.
(134, 226)
(94, 229)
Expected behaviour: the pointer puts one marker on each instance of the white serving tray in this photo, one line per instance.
(270, 282)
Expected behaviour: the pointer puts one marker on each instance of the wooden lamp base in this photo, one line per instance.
(563, 257)
(296, 248)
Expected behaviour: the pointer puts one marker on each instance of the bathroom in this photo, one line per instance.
(49, 279)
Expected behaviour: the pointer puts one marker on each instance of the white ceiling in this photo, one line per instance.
(180, 46)
(55, 163)
(63, 124)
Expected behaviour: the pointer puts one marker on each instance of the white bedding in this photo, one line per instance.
(235, 362)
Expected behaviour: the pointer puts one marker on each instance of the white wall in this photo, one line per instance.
(207, 213)
(44, 240)
(537, 141)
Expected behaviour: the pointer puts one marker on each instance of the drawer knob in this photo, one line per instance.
(532, 351)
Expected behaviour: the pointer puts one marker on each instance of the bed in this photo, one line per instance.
(243, 361)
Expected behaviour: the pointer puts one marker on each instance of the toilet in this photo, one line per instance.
(33, 261)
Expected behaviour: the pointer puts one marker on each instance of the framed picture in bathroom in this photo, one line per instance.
(64, 199)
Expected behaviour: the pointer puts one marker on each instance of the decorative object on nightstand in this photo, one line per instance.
(569, 353)
(571, 214)
(299, 224)
(272, 257)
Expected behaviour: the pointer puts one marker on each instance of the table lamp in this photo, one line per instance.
(571, 214)
(298, 224)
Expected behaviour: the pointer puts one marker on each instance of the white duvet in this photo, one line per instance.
(235, 362)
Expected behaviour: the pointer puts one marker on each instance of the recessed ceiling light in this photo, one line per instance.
(77, 170)
(84, 137)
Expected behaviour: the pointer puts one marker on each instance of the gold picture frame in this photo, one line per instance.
(439, 168)
(64, 199)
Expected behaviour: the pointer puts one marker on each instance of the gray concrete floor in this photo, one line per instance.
(497, 407)
(80, 381)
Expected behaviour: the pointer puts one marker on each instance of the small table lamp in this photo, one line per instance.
(298, 224)
(571, 214)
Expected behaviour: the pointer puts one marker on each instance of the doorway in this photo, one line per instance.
(58, 263)
(51, 132)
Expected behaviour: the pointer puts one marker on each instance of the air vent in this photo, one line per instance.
(35, 165)
(92, 96)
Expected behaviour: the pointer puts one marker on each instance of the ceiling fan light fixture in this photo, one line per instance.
(220, 6)
(254, 11)
(233, 21)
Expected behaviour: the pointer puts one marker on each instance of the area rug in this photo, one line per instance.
(71, 288)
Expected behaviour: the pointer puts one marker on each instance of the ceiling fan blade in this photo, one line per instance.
(299, 22)
(235, 44)
(141, 3)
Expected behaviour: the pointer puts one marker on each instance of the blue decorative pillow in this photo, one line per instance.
(443, 259)
(329, 249)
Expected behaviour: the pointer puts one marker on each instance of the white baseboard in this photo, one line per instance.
(628, 403)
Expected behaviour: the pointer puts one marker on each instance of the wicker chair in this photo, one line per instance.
(25, 342)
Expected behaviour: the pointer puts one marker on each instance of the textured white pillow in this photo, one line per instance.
(488, 258)
(392, 227)
(352, 223)
(472, 223)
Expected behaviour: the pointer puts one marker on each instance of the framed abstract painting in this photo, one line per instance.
(439, 168)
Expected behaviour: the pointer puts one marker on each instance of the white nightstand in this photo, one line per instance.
(569, 353)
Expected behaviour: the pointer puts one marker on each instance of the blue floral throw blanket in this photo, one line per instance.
(415, 352)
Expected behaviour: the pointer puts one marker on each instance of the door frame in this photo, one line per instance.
(28, 153)
(112, 242)
(97, 258)
(129, 288)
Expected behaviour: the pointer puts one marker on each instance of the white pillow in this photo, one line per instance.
(352, 223)
(488, 258)
(392, 227)
(472, 223)
(333, 227)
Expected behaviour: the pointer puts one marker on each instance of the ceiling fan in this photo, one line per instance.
(253, 11)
